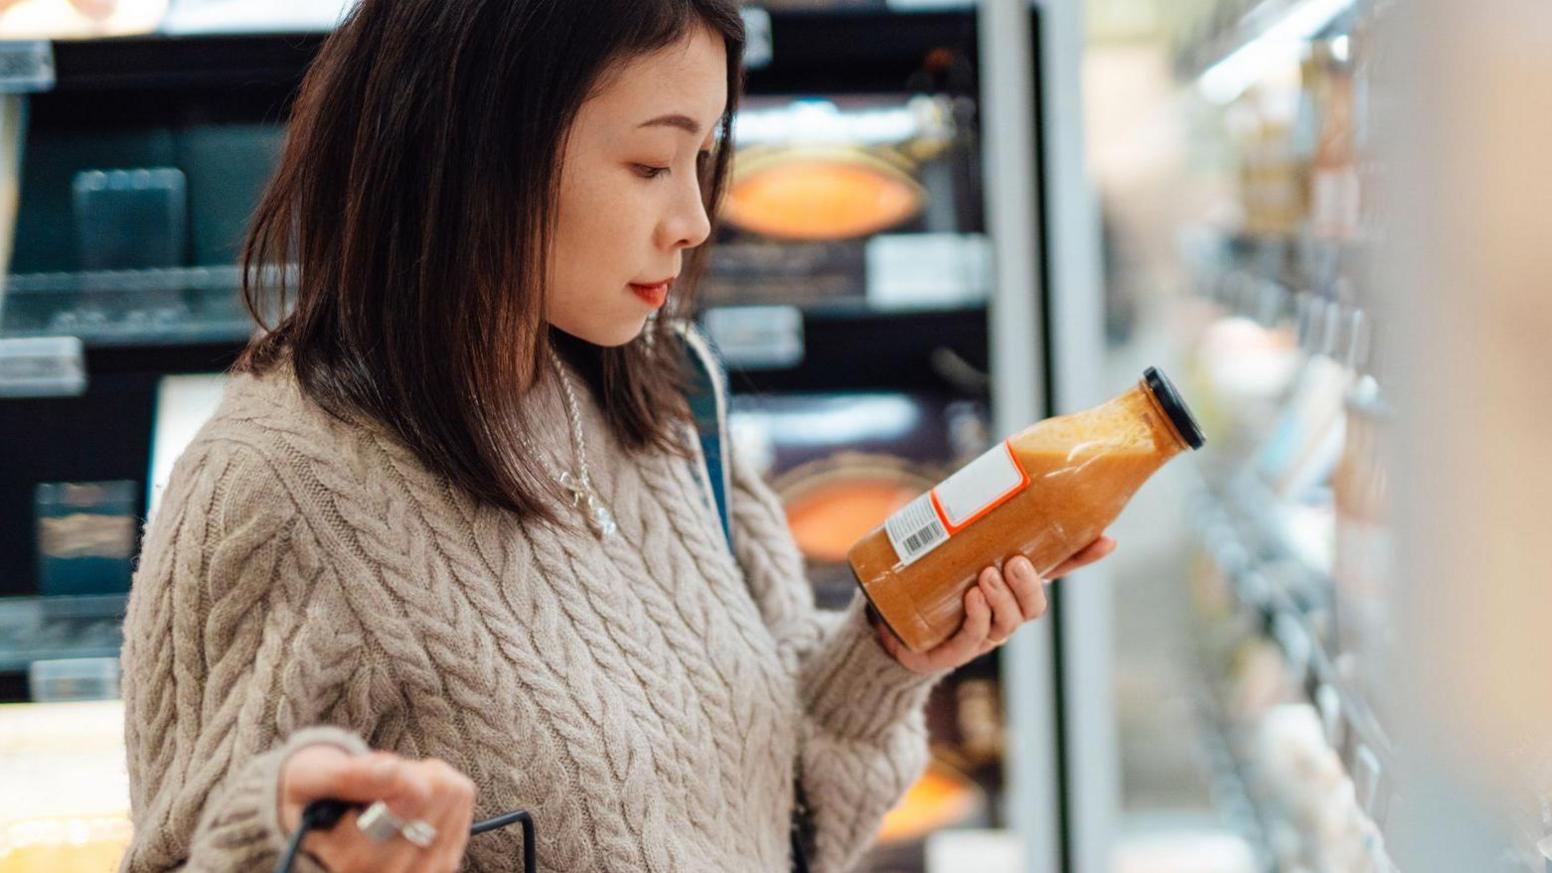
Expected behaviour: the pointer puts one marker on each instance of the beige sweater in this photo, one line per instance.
(647, 697)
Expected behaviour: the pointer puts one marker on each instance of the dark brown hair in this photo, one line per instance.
(409, 214)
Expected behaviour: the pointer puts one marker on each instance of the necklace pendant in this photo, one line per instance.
(599, 518)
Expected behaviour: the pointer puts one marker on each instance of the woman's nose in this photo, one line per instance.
(688, 225)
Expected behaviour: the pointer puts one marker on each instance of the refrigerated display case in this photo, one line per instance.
(1300, 692)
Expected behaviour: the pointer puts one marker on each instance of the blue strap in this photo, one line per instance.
(708, 406)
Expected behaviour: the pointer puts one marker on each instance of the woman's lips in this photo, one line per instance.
(656, 295)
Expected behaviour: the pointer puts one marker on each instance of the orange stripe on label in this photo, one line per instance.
(996, 501)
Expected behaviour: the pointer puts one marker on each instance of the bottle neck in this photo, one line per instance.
(1166, 436)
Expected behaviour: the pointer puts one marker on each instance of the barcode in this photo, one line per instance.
(915, 530)
(916, 540)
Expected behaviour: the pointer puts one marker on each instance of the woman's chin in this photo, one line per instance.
(608, 336)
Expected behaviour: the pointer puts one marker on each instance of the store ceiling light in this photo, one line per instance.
(1279, 44)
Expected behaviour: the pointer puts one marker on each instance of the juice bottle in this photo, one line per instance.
(1046, 493)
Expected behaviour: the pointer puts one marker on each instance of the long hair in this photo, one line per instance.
(404, 231)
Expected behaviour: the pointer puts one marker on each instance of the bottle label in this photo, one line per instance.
(915, 530)
(981, 486)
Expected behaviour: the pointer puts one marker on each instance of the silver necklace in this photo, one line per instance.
(580, 485)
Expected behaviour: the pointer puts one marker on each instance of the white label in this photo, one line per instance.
(26, 66)
(758, 49)
(53, 366)
(927, 270)
(915, 530)
(757, 337)
(981, 484)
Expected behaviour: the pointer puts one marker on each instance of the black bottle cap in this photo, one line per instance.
(1179, 414)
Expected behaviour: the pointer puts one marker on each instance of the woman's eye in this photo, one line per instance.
(647, 171)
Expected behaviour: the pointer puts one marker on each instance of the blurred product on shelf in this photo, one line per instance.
(842, 463)
(1274, 182)
(1243, 369)
(133, 219)
(1326, 111)
(819, 194)
(829, 197)
(1306, 442)
(1046, 492)
(1303, 776)
(78, 19)
(1362, 566)
(86, 536)
(833, 501)
(941, 798)
(74, 752)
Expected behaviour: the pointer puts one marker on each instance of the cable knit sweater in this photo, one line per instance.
(648, 696)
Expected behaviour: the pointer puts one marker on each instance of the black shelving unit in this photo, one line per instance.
(175, 81)
(883, 51)
(106, 93)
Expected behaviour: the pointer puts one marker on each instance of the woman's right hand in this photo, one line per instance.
(429, 790)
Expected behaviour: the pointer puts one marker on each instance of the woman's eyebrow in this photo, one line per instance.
(682, 122)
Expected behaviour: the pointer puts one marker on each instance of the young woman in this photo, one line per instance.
(445, 546)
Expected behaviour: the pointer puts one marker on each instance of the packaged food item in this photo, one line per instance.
(818, 194)
(1046, 493)
(1364, 588)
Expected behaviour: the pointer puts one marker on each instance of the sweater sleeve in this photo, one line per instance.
(238, 649)
(864, 739)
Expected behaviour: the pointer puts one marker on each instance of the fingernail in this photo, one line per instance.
(994, 579)
(383, 770)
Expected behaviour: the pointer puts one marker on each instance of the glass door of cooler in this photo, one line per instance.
(1253, 613)
(1311, 209)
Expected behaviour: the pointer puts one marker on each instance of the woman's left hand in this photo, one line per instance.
(995, 607)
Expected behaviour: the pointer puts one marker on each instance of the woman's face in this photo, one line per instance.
(630, 195)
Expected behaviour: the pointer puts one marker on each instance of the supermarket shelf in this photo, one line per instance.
(158, 307)
(1237, 541)
(1230, 781)
(1324, 326)
(1281, 590)
(124, 317)
(53, 628)
(854, 348)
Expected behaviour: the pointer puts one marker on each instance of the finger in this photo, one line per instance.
(366, 779)
(455, 799)
(1094, 551)
(301, 775)
(443, 807)
(1028, 587)
(1006, 614)
(346, 848)
(966, 642)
